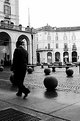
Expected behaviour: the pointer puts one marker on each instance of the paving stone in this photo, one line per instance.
(67, 89)
(55, 119)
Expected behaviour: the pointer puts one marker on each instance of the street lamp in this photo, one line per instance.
(32, 43)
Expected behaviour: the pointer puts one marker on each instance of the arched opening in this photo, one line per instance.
(27, 43)
(49, 57)
(65, 57)
(5, 49)
(74, 56)
(57, 56)
(38, 58)
(25, 38)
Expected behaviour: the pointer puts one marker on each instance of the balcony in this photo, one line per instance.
(44, 49)
(19, 27)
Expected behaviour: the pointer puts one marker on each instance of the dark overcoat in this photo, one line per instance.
(20, 61)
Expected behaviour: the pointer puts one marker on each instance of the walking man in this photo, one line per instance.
(20, 61)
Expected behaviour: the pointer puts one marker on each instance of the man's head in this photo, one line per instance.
(20, 43)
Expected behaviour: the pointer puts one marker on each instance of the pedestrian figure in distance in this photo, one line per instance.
(20, 61)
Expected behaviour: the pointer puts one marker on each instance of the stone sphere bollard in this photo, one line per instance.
(30, 70)
(50, 83)
(1, 68)
(69, 72)
(47, 71)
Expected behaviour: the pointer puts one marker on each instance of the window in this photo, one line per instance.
(74, 48)
(37, 46)
(73, 37)
(48, 37)
(65, 45)
(57, 46)
(48, 45)
(65, 36)
(45, 47)
(48, 33)
(7, 10)
(56, 37)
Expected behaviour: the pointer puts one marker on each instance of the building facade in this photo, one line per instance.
(58, 44)
(9, 12)
(8, 39)
(44, 45)
(11, 32)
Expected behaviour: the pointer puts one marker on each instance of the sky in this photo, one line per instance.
(56, 13)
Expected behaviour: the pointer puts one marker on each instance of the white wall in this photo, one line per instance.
(69, 37)
(14, 11)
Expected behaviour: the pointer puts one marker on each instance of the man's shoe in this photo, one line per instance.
(18, 94)
(26, 94)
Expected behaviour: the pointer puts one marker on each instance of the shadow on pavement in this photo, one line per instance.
(50, 94)
(6, 85)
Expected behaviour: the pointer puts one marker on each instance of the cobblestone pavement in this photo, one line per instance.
(37, 77)
(64, 83)
(56, 108)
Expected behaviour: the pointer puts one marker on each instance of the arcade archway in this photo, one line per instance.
(65, 57)
(74, 56)
(57, 56)
(38, 58)
(27, 44)
(49, 57)
(5, 49)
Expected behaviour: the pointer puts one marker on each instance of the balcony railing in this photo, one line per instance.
(16, 27)
(44, 49)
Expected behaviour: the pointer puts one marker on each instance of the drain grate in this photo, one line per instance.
(11, 114)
